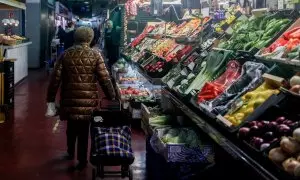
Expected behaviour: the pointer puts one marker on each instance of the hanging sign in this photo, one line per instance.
(156, 7)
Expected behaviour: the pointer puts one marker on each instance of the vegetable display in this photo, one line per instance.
(250, 78)
(255, 32)
(246, 105)
(261, 134)
(181, 135)
(287, 46)
(212, 89)
(211, 67)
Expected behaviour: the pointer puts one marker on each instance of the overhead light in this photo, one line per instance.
(86, 2)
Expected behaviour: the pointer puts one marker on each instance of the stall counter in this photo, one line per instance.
(20, 53)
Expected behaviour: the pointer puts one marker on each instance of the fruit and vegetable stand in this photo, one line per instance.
(235, 91)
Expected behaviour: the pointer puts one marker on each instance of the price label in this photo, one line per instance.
(194, 92)
(191, 65)
(171, 83)
(204, 53)
(184, 72)
(224, 120)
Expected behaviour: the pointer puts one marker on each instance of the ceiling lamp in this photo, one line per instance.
(11, 22)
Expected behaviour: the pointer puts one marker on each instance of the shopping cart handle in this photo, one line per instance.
(110, 104)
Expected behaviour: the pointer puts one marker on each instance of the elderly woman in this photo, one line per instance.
(77, 71)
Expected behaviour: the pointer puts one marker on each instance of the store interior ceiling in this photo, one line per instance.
(87, 8)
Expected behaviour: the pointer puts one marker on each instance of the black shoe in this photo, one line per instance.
(81, 166)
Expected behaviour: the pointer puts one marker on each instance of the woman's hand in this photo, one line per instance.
(51, 110)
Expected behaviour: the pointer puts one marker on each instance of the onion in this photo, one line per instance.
(296, 134)
(295, 80)
(290, 165)
(277, 155)
(289, 145)
(295, 89)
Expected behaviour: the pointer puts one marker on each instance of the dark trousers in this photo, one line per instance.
(78, 130)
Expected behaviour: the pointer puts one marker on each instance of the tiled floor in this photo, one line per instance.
(30, 150)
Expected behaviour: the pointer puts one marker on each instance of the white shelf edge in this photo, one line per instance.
(13, 3)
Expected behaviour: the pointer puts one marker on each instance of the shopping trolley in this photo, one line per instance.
(110, 119)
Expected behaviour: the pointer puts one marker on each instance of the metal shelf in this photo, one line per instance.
(232, 149)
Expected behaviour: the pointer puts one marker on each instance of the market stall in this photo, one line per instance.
(14, 44)
(237, 80)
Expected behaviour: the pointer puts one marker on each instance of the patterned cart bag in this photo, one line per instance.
(112, 142)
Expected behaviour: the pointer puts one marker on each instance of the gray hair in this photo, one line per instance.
(83, 35)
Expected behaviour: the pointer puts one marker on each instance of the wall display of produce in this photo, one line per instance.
(240, 93)
(255, 33)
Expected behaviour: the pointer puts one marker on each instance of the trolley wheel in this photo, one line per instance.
(130, 174)
(94, 175)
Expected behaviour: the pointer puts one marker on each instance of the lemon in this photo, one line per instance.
(239, 116)
(249, 111)
(249, 95)
(258, 102)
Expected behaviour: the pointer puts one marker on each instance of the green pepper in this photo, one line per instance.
(265, 38)
(248, 45)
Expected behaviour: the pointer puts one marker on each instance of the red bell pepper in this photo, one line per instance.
(292, 43)
(287, 34)
(280, 42)
(295, 34)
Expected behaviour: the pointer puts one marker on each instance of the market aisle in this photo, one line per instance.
(29, 149)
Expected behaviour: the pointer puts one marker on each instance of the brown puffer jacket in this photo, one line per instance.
(77, 71)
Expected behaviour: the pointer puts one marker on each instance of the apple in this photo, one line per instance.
(288, 122)
(283, 129)
(280, 120)
(256, 142)
(253, 123)
(272, 125)
(254, 130)
(264, 146)
(268, 136)
(244, 132)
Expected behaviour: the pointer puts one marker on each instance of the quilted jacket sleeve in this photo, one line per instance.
(104, 78)
(55, 80)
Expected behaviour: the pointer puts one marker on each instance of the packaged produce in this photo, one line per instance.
(246, 105)
(250, 78)
(212, 89)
